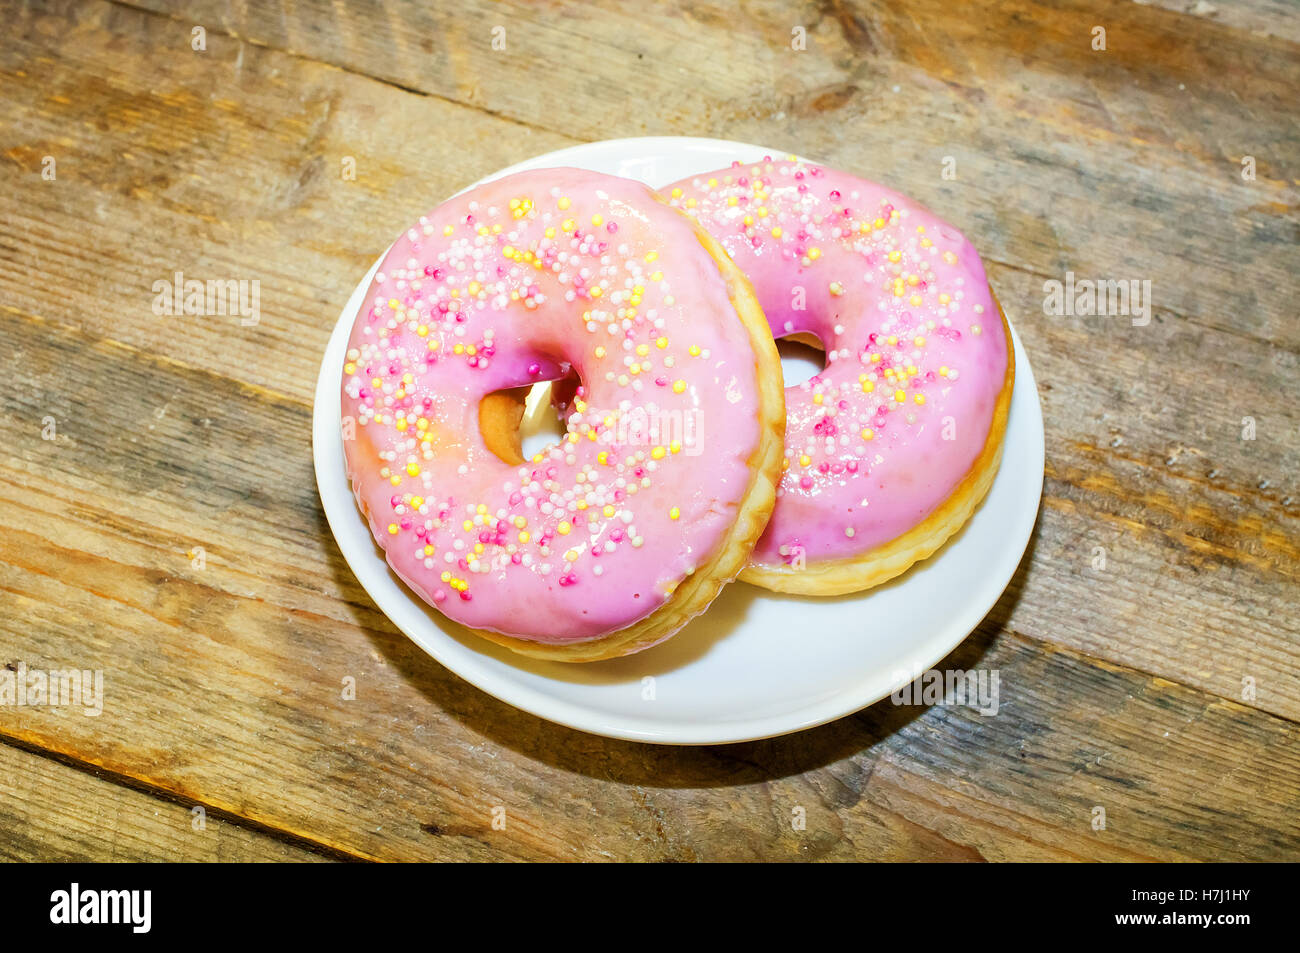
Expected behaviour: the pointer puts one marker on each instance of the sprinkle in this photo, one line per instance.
(674, 513)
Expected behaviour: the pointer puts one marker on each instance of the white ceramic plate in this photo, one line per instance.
(755, 664)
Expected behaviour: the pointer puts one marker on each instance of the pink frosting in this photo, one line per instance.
(550, 275)
(916, 353)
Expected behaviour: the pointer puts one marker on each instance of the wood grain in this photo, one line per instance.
(1122, 685)
(54, 812)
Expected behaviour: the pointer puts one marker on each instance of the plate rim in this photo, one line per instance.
(471, 665)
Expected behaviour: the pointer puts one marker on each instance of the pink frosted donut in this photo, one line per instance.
(611, 539)
(890, 449)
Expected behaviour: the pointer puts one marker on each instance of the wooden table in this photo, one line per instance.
(159, 518)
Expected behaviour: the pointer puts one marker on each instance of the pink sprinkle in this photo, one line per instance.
(806, 482)
(465, 595)
(440, 596)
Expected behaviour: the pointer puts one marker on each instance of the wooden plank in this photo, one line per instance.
(53, 812)
(1117, 163)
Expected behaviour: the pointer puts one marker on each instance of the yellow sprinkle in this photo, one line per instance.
(776, 232)
(679, 386)
(674, 513)
(895, 255)
(919, 398)
(805, 460)
(413, 469)
(817, 398)
(900, 395)
(600, 350)
(564, 528)
(563, 203)
(919, 340)
(693, 350)
(596, 292)
(661, 343)
(867, 433)
(428, 550)
(596, 220)
(814, 253)
(448, 230)
(392, 528)
(609, 510)
(524, 537)
(657, 453)
(677, 193)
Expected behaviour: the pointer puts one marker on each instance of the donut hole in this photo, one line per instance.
(519, 422)
(803, 356)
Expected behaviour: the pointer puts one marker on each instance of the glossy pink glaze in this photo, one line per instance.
(540, 276)
(884, 284)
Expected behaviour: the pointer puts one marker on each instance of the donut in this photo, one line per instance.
(668, 380)
(889, 449)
